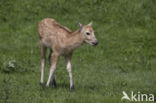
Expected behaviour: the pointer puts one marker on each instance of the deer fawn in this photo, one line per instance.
(61, 41)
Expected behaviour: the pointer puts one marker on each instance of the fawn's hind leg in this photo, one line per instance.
(50, 56)
(50, 62)
(43, 58)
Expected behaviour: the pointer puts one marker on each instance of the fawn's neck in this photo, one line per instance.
(76, 39)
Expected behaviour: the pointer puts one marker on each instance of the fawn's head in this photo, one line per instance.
(87, 34)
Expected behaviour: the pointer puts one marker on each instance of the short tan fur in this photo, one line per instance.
(61, 41)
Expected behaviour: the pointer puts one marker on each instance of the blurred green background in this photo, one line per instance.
(124, 60)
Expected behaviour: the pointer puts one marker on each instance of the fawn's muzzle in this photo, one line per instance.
(95, 43)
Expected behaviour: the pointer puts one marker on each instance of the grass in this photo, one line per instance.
(124, 60)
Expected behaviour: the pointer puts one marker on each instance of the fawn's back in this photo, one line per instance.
(50, 31)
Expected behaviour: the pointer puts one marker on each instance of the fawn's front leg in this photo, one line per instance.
(52, 67)
(69, 69)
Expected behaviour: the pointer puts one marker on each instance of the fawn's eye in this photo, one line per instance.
(87, 33)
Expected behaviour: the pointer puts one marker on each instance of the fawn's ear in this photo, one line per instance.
(80, 25)
(91, 23)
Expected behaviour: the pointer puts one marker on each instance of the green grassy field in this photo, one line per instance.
(124, 60)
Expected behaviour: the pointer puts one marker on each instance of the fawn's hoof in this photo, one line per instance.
(47, 86)
(72, 89)
(41, 84)
(54, 83)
